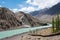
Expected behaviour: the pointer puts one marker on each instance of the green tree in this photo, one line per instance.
(53, 24)
(57, 23)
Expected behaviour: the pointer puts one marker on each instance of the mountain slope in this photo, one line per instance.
(7, 19)
(51, 11)
(27, 19)
(46, 14)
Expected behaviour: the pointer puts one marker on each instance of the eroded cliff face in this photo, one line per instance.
(27, 19)
(8, 19)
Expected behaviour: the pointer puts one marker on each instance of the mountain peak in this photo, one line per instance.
(7, 19)
(45, 15)
(58, 3)
(3, 10)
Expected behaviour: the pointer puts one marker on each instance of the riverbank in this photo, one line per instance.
(26, 36)
(10, 33)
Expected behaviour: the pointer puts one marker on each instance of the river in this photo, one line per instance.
(9, 33)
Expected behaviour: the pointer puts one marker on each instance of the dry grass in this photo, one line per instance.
(45, 31)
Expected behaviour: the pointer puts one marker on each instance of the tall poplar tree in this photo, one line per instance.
(53, 24)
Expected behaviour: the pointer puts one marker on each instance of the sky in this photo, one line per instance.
(27, 5)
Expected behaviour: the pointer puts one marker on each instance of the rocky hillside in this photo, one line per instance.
(27, 19)
(11, 20)
(8, 19)
(46, 14)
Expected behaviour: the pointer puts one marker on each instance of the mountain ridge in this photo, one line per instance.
(11, 20)
(50, 11)
(47, 13)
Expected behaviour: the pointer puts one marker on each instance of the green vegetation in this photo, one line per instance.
(53, 24)
(56, 24)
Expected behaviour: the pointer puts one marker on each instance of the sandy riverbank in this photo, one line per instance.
(26, 36)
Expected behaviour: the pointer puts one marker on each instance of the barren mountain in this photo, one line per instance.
(45, 15)
(27, 19)
(8, 19)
